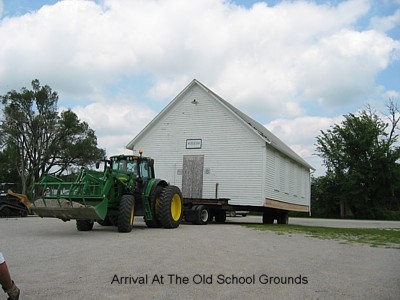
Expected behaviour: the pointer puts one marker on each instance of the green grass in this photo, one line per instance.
(389, 238)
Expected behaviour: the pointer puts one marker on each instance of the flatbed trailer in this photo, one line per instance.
(203, 211)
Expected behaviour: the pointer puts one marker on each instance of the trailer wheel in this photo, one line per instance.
(84, 225)
(283, 218)
(211, 215)
(202, 215)
(126, 213)
(154, 200)
(268, 218)
(105, 222)
(220, 216)
(170, 207)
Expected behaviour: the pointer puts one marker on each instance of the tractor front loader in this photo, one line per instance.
(124, 189)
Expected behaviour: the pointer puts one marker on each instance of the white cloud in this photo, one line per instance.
(394, 95)
(302, 130)
(262, 55)
(270, 60)
(117, 122)
(386, 23)
(341, 68)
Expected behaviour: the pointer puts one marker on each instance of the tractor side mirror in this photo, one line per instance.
(151, 163)
(97, 165)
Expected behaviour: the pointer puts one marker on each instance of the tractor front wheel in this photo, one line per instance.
(126, 213)
(84, 225)
(170, 207)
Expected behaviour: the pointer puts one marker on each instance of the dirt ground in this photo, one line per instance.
(50, 259)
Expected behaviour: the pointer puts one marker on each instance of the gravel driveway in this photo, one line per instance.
(50, 259)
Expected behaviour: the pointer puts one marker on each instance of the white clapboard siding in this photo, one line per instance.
(248, 163)
(232, 154)
(286, 180)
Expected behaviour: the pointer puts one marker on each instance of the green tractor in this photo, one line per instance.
(124, 189)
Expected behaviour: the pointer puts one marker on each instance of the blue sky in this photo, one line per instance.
(294, 66)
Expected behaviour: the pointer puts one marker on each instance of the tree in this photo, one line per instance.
(8, 171)
(44, 140)
(325, 196)
(362, 159)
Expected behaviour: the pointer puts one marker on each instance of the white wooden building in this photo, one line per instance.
(210, 149)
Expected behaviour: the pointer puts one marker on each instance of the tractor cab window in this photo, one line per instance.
(125, 166)
(145, 171)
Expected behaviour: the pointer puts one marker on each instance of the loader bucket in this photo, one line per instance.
(83, 199)
(66, 214)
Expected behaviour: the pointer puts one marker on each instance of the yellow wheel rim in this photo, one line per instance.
(132, 215)
(176, 207)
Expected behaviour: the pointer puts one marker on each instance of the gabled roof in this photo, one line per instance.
(261, 131)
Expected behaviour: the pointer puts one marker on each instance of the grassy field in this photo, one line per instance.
(389, 238)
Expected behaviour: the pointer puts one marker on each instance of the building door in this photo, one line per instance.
(192, 176)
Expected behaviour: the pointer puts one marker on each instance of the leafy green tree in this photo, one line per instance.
(8, 171)
(325, 197)
(362, 159)
(44, 140)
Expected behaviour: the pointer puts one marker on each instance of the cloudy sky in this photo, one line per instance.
(295, 66)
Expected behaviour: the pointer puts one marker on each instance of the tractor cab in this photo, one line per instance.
(137, 166)
(134, 172)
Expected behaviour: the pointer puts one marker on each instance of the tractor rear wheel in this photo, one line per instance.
(126, 213)
(84, 225)
(154, 200)
(170, 207)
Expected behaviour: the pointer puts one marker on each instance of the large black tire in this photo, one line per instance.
(268, 217)
(105, 222)
(126, 213)
(202, 215)
(170, 207)
(84, 225)
(154, 199)
(193, 215)
(211, 216)
(220, 216)
(283, 218)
